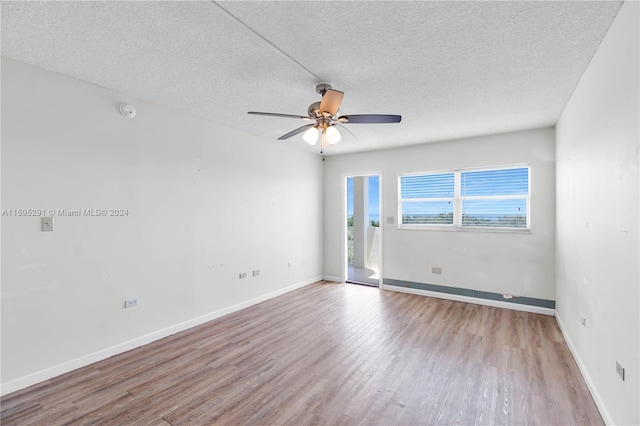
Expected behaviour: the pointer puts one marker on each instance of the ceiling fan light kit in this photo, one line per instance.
(325, 117)
(311, 136)
(333, 135)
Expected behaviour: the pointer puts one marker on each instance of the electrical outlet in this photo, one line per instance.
(130, 303)
(290, 264)
(583, 320)
(243, 275)
(436, 270)
(620, 370)
(256, 272)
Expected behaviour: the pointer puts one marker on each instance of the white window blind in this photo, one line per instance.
(427, 199)
(495, 198)
(491, 198)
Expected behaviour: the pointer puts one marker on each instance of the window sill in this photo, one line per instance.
(455, 228)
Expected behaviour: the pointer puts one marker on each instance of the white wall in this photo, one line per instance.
(519, 264)
(597, 220)
(205, 203)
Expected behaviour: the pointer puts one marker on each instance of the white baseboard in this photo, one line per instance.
(585, 374)
(65, 367)
(475, 300)
(334, 279)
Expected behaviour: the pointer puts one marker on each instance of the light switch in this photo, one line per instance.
(46, 224)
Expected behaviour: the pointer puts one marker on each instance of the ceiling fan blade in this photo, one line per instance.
(347, 130)
(275, 114)
(369, 118)
(331, 101)
(296, 131)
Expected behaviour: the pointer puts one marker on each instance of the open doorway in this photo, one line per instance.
(363, 230)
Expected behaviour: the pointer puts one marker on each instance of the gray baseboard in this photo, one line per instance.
(521, 300)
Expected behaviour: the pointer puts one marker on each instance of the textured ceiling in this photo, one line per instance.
(451, 69)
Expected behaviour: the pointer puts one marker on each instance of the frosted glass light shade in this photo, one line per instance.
(333, 135)
(311, 136)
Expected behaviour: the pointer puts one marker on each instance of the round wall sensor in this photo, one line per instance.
(128, 111)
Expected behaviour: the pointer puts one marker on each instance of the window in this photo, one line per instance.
(488, 198)
(427, 199)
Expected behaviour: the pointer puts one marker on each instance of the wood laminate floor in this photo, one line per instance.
(335, 354)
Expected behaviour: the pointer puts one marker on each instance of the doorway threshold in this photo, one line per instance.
(362, 283)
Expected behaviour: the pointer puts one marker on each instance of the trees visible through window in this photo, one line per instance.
(488, 198)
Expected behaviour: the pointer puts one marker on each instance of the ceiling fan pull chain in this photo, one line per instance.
(322, 141)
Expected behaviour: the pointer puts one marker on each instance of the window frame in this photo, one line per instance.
(458, 199)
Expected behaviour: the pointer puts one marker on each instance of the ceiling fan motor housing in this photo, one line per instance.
(314, 110)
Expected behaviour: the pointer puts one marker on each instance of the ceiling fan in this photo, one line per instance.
(325, 119)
